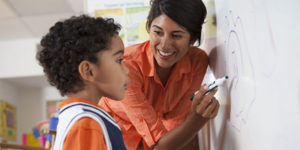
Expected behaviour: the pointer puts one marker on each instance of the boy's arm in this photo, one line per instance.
(204, 108)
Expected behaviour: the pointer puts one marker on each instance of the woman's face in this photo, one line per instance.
(169, 41)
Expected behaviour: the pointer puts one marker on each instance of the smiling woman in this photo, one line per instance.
(165, 71)
(169, 42)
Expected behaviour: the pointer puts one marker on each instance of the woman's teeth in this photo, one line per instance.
(165, 54)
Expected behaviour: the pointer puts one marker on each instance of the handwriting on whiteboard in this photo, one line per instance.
(241, 72)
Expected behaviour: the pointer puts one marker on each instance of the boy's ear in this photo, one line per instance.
(86, 71)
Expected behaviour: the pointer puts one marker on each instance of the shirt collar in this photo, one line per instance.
(72, 100)
(148, 66)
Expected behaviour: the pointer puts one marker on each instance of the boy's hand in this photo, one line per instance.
(205, 106)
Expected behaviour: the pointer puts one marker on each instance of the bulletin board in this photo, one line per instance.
(131, 15)
(52, 108)
(8, 124)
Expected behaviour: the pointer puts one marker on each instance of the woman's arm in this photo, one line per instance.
(204, 107)
(140, 112)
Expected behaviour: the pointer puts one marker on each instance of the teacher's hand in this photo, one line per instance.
(205, 106)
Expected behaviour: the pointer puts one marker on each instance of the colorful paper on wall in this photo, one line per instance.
(136, 18)
(132, 19)
(52, 108)
(8, 120)
(116, 13)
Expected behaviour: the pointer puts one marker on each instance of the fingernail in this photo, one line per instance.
(205, 87)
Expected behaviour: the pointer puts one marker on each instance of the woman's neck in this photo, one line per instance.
(163, 74)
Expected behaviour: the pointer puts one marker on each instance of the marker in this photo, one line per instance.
(212, 86)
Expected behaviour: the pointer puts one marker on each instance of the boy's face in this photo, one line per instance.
(112, 75)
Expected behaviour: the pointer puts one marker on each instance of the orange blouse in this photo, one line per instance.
(150, 109)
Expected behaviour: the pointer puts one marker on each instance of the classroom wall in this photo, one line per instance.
(30, 103)
(17, 58)
(9, 93)
(32, 106)
(29, 109)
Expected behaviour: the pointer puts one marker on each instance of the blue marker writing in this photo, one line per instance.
(212, 86)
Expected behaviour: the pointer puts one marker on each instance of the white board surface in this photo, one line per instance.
(258, 47)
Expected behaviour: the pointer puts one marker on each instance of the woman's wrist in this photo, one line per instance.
(197, 121)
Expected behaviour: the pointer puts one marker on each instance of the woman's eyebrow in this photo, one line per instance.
(157, 27)
(175, 31)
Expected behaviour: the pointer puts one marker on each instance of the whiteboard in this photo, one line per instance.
(257, 46)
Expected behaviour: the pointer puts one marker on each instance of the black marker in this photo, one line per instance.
(212, 86)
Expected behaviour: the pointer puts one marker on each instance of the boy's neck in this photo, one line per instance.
(85, 95)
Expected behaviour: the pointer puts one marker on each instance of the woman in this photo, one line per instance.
(164, 72)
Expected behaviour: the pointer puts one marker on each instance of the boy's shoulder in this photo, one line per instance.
(87, 123)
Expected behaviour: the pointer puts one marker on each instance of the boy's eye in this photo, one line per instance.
(119, 60)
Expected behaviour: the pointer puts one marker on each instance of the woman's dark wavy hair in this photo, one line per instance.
(188, 13)
(70, 42)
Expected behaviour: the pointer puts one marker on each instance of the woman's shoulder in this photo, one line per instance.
(197, 55)
(137, 55)
(197, 51)
(199, 60)
(136, 50)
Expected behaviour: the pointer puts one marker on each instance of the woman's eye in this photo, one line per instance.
(158, 32)
(177, 36)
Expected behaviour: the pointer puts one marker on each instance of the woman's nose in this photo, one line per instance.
(166, 43)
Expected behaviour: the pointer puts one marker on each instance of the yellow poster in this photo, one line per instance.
(109, 12)
(116, 13)
(8, 122)
(132, 19)
(136, 18)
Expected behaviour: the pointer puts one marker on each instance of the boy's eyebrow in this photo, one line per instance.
(176, 31)
(119, 52)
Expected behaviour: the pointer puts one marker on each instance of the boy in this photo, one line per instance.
(82, 57)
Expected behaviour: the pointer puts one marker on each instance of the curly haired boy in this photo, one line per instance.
(82, 57)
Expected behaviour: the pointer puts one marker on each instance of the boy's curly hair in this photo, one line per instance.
(70, 42)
